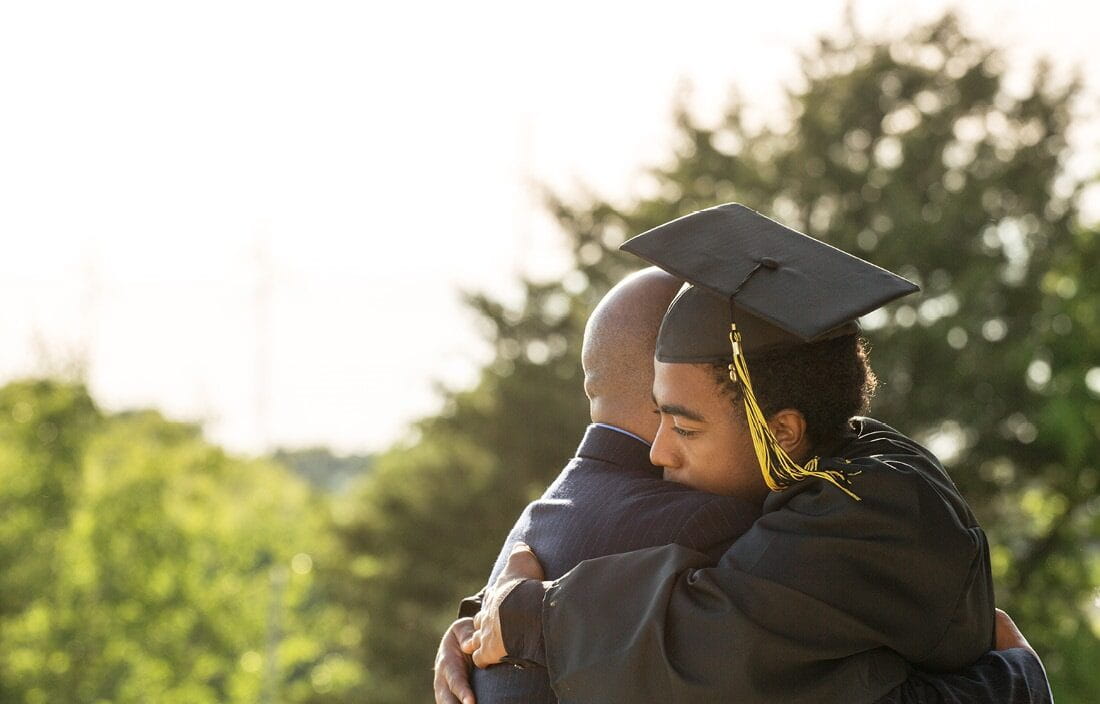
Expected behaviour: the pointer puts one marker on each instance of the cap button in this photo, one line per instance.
(769, 263)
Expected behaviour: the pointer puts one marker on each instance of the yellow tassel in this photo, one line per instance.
(779, 470)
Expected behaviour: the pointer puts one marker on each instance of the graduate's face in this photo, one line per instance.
(703, 441)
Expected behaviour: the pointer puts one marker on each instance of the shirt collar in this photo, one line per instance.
(624, 432)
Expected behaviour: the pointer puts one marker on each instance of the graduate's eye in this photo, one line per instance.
(684, 432)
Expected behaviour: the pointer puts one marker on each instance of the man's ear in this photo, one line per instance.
(789, 428)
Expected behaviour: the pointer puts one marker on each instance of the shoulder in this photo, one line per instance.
(640, 497)
(909, 543)
(714, 519)
(612, 489)
(907, 507)
(889, 472)
(903, 493)
(899, 503)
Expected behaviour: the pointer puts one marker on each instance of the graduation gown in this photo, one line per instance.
(824, 599)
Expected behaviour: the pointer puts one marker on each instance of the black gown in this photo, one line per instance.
(824, 599)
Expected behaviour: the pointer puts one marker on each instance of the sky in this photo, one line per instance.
(260, 215)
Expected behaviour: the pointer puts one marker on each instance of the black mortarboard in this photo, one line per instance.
(785, 288)
(757, 285)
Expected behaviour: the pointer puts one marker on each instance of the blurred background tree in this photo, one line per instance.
(144, 564)
(916, 153)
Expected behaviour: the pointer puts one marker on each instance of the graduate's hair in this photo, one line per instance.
(829, 382)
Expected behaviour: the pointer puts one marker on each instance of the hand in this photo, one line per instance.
(1007, 635)
(452, 666)
(486, 644)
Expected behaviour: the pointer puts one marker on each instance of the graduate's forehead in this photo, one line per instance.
(689, 390)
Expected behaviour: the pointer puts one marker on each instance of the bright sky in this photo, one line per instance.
(259, 214)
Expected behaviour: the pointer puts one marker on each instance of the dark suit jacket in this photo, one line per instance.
(608, 499)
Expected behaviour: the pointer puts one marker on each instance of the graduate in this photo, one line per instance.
(866, 561)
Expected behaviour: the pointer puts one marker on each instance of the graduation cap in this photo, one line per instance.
(756, 285)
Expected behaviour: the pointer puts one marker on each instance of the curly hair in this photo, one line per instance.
(829, 382)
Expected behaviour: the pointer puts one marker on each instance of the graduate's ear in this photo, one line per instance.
(789, 428)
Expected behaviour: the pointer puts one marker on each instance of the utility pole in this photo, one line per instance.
(262, 361)
(278, 574)
(89, 312)
(269, 693)
(521, 213)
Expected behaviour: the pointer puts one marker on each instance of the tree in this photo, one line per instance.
(915, 153)
(324, 470)
(44, 427)
(143, 563)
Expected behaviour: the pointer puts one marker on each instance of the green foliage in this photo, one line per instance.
(143, 564)
(323, 469)
(914, 153)
(44, 427)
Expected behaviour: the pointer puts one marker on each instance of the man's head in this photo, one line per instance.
(617, 355)
(807, 393)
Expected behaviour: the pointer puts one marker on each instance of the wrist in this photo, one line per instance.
(521, 623)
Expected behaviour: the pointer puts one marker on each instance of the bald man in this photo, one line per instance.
(610, 499)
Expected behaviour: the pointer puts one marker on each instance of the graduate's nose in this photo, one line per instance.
(663, 452)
